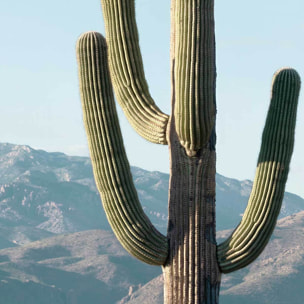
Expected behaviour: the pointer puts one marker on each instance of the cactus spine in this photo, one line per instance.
(192, 261)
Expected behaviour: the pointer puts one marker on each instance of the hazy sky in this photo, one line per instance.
(40, 104)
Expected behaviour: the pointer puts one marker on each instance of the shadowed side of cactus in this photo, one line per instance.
(259, 219)
(191, 260)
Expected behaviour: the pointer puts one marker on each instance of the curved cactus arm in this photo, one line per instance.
(127, 73)
(110, 165)
(195, 72)
(258, 222)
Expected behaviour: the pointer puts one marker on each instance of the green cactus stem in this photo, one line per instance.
(110, 165)
(252, 235)
(127, 73)
(194, 73)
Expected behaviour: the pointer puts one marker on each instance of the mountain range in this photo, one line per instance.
(56, 243)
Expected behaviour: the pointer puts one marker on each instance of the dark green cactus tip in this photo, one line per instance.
(287, 72)
(286, 80)
(278, 134)
(88, 38)
(90, 34)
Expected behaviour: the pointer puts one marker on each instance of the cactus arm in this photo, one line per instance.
(194, 73)
(127, 73)
(110, 165)
(257, 224)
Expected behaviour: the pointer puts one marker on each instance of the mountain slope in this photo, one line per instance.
(44, 194)
(91, 266)
(83, 267)
(277, 276)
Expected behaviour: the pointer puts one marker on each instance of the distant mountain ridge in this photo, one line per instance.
(92, 267)
(53, 193)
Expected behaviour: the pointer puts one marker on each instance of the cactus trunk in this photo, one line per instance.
(191, 272)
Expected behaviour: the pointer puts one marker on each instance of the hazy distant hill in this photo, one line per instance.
(92, 267)
(43, 194)
(57, 246)
(83, 267)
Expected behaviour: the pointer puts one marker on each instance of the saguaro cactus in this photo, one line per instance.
(192, 262)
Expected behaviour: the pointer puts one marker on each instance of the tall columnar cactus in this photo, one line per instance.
(192, 262)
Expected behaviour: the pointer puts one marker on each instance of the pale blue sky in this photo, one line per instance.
(40, 103)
